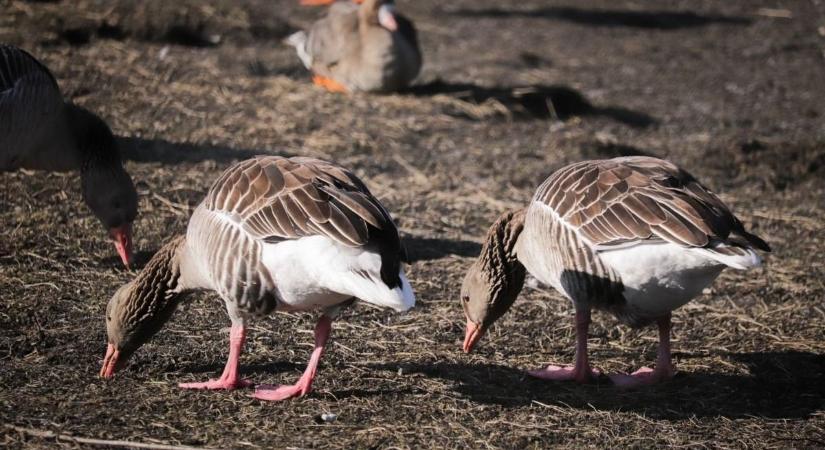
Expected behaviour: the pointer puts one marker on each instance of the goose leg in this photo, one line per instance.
(304, 384)
(664, 368)
(229, 379)
(581, 371)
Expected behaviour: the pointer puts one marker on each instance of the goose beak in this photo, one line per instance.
(122, 237)
(472, 335)
(386, 17)
(110, 362)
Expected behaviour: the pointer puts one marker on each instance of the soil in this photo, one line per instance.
(732, 91)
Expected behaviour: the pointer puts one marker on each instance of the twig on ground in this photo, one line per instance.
(45, 434)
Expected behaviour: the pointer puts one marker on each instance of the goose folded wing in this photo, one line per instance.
(278, 199)
(628, 200)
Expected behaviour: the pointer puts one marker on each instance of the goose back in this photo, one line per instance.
(627, 200)
(32, 116)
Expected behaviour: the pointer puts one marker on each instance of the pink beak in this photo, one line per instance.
(109, 362)
(472, 335)
(386, 17)
(122, 237)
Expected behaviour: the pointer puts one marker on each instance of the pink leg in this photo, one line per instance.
(664, 368)
(229, 379)
(581, 372)
(304, 384)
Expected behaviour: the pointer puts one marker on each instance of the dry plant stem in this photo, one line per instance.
(99, 442)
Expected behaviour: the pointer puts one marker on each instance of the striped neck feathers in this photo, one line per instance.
(496, 278)
(140, 308)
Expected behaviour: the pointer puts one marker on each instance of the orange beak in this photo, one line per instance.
(109, 362)
(472, 335)
(122, 237)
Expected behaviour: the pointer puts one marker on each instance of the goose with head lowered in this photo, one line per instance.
(635, 236)
(41, 131)
(360, 48)
(272, 234)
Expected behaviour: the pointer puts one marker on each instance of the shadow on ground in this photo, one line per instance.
(655, 20)
(159, 150)
(533, 102)
(426, 249)
(140, 258)
(780, 385)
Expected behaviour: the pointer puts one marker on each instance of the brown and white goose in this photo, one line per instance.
(272, 234)
(636, 236)
(39, 131)
(366, 48)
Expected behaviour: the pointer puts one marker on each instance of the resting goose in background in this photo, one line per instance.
(39, 131)
(366, 48)
(273, 233)
(636, 236)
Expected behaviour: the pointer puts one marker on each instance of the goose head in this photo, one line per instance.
(111, 196)
(379, 12)
(495, 279)
(106, 187)
(140, 308)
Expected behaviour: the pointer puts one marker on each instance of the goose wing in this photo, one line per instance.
(29, 98)
(624, 201)
(276, 198)
(17, 64)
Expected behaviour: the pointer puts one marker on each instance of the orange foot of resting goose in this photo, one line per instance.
(329, 84)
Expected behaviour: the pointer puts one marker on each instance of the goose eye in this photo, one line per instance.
(466, 299)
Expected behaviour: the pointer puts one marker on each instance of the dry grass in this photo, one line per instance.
(505, 98)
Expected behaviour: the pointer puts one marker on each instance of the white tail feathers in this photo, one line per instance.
(406, 297)
(743, 259)
(299, 41)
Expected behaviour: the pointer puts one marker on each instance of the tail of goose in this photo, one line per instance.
(299, 40)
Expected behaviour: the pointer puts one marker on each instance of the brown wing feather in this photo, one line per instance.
(638, 198)
(286, 198)
(275, 198)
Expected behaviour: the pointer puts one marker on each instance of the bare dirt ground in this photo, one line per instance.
(733, 91)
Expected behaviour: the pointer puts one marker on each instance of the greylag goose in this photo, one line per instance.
(367, 48)
(272, 234)
(635, 236)
(39, 131)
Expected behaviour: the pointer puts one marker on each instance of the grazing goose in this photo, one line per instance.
(272, 234)
(635, 236)
(366, 48)
(39, 131)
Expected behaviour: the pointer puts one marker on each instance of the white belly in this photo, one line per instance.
(659, 278)
(316, 272)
